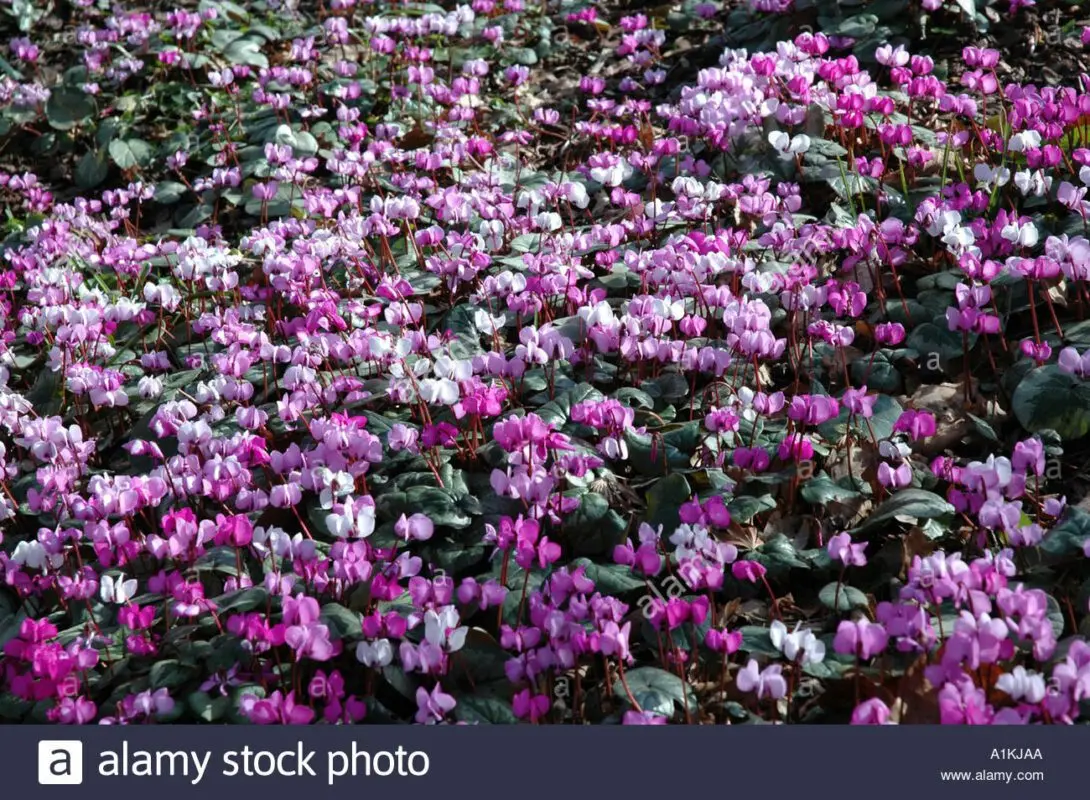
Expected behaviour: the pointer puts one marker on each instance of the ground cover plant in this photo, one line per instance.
(515, 362)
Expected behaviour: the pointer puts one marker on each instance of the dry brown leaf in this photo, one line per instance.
(416, 139)
(946, 435)
(849, 513)
(834, 362)
(730, 611)
(915, 543)
(745, 537)
(941, 399)
(917, 702)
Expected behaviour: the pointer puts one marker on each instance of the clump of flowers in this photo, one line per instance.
(373, 388)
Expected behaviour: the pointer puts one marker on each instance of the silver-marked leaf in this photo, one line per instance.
(130, 153)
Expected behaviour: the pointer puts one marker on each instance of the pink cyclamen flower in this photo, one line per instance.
(643, 718)
(433, 706)
(861, 638)
(417, 528)
(276, 709)
(750, 571)
(871, 712)
(842, 549)
(895, 477)
(768, 682)
(725, 642)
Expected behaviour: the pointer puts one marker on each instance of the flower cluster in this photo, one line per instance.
(381, 381)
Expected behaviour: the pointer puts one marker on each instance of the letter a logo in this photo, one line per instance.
(60, 763)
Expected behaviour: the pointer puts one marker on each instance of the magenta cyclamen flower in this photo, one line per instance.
(645, 559)
(235, 530)
(755, 459)
(73, 711)
(725, 642)
(890, 333)
(276, 709)
(531, 706)
(917, 424)
(795, 447)
(749, 571)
